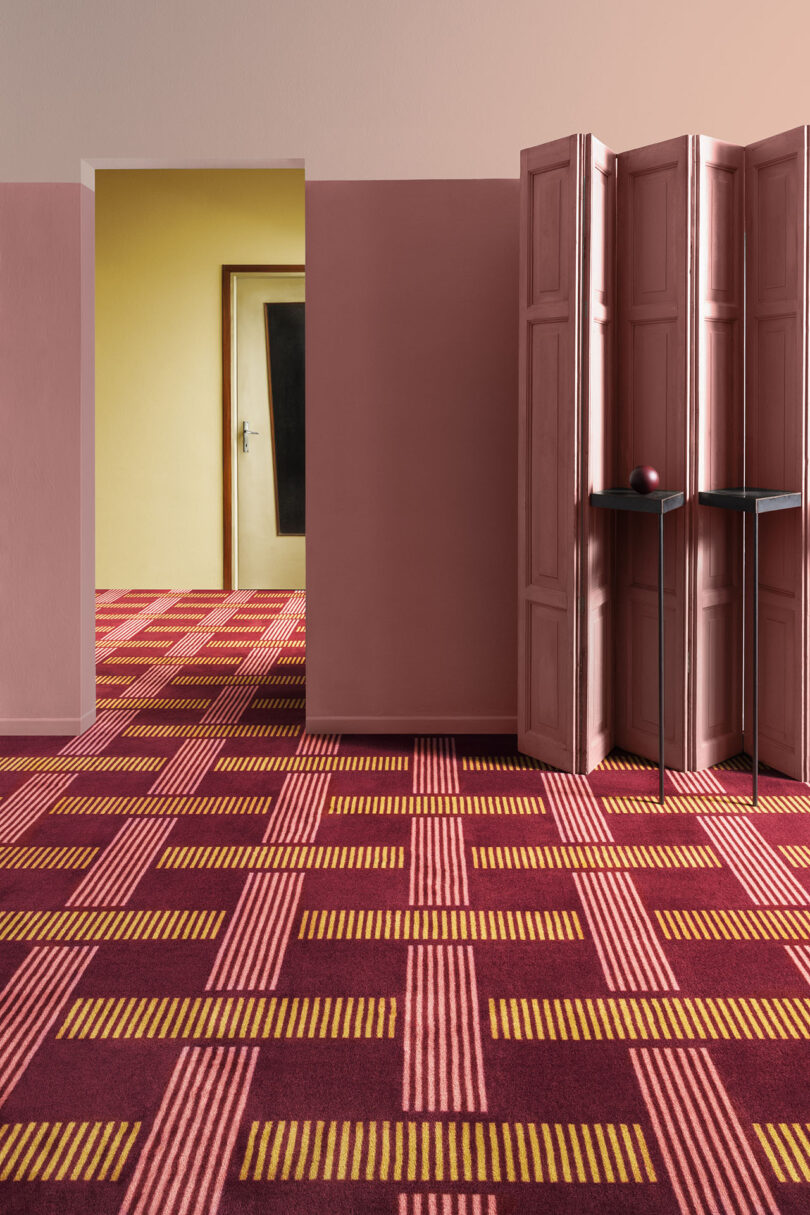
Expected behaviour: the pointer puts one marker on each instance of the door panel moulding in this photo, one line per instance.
(654, 371)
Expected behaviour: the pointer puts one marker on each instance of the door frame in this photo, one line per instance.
(229, 406)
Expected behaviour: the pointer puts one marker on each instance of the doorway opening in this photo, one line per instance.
(163, 236)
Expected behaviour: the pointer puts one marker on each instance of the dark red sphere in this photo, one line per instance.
(644, 479)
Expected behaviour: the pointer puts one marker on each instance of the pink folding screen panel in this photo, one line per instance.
(657, 364)
(652, 427)
(549, 424)
(567, 208)
(598, 453)
(714, 537)
(777, 435)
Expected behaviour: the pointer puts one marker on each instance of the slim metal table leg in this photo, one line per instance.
(755, 639)
(661, 659)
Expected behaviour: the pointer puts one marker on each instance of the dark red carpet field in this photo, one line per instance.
(244, 969)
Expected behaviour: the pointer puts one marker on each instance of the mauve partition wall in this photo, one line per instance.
(777, 437)
(411, 435)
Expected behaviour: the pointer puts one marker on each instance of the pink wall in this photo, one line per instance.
(411, 457)
(47, 679)
(380, 90)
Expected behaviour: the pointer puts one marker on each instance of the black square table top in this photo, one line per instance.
(657, 502)
(752, 501)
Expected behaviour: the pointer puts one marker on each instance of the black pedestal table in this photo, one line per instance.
(754, 502)
(659, 502)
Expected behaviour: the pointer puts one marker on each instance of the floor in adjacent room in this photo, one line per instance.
(244, 969)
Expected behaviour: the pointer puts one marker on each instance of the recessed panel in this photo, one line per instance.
(777, 655)
(637, 534)
(776, 213)
(600, 440)
(546, 626)
(651, 391)
(601, 233)
(722, 403)
(723, 250)
(780, 539)
(652, 235)
(644, 665)
(719, 671)
(774, 347)
(599, 662)
(651, 380)
(545, 404)
(724, 547)
(643, 682)
(548, 233)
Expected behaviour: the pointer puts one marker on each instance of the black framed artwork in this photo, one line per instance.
(284, 328)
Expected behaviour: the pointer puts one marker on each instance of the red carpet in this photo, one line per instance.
(247, 970)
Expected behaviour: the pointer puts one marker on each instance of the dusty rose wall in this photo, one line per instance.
(369, 89)
(46, 459)
(411, 455)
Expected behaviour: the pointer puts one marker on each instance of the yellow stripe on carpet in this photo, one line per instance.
(446, 1151)
(243, 1018)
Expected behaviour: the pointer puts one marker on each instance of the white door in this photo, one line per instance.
(264, 558)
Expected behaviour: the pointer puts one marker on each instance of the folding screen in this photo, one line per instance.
(566, 305)
(668, 336)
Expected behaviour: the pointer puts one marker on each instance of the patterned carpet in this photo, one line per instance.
(243, 969)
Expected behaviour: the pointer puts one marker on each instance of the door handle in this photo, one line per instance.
(245, 432)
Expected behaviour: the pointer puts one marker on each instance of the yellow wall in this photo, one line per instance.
(161, 240)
